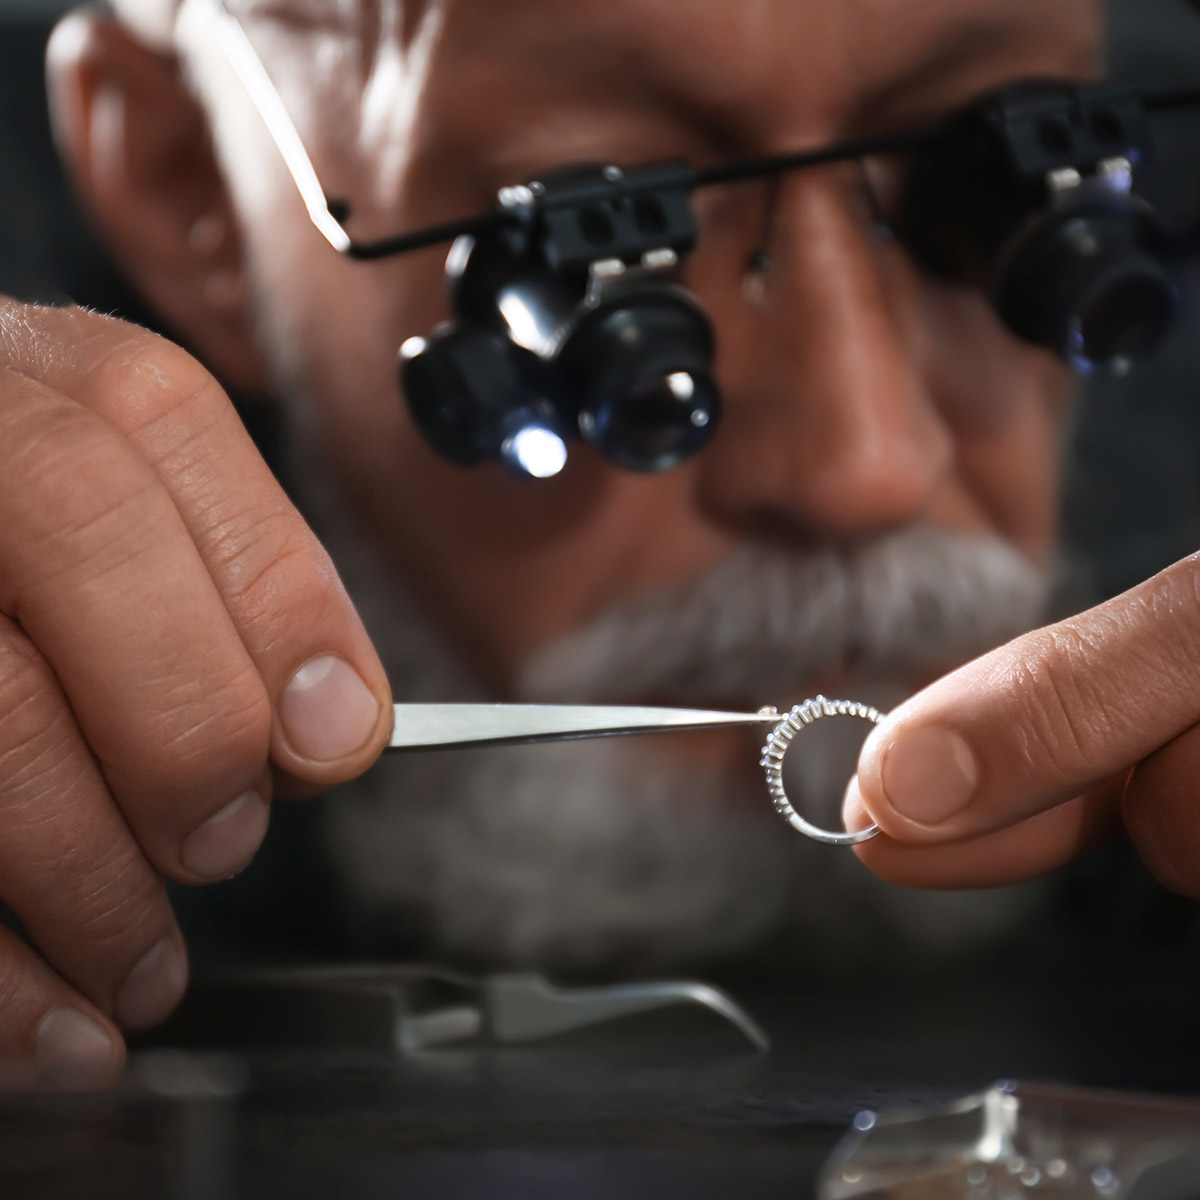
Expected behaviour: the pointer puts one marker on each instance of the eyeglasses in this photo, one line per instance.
(570, 319)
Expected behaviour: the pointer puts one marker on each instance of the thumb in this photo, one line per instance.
(1040, 720)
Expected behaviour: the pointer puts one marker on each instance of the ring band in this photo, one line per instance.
(777, 747)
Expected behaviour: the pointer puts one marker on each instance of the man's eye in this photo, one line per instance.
(885, 178)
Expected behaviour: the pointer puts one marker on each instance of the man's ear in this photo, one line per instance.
(138, 148)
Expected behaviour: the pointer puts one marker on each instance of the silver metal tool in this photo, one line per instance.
(421, 1007)
(451, 726)
(446, 726)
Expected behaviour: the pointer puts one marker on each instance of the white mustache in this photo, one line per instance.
(766, 618)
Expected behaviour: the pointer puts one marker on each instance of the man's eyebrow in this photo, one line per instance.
(948, 71)
(964, 48)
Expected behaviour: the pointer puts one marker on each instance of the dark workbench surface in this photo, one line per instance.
(658, 1106)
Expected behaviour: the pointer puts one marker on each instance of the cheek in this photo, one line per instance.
(333, 327)
(1006, 404)
(331, 330)
(1016, 477)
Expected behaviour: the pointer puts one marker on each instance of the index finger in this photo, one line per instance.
(329, 694)
(1041, 720)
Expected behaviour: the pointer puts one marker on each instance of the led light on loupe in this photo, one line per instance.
(537, 451)
(682, 385)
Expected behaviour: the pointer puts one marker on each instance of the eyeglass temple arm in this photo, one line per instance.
(325, 214)
(247, 65)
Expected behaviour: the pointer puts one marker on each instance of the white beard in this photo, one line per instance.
(591, 856)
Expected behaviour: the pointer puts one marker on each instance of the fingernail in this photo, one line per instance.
(225, 843)
(153, 988)
(855, 817)
(929, 774)
(327, 712)
(74, 1053)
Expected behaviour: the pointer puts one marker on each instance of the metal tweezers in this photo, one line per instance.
(451, 726)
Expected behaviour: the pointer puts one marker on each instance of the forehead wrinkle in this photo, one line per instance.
(776, 68)
(681, 60)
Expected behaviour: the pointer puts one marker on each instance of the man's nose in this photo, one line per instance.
(829, 429)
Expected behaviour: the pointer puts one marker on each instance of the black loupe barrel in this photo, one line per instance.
(639, 370)
(460, 386)
(1090, 286)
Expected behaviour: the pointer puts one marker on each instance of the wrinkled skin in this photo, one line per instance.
(161, 599)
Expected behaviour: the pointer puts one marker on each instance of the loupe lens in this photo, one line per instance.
(663, 419)
(640, 371)
(1089, 287)
(1124, 315)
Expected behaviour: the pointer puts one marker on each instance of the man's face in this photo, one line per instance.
(880, 496)
(860, 397)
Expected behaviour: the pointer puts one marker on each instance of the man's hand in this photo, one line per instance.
(1018, 761)
(172, 636)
